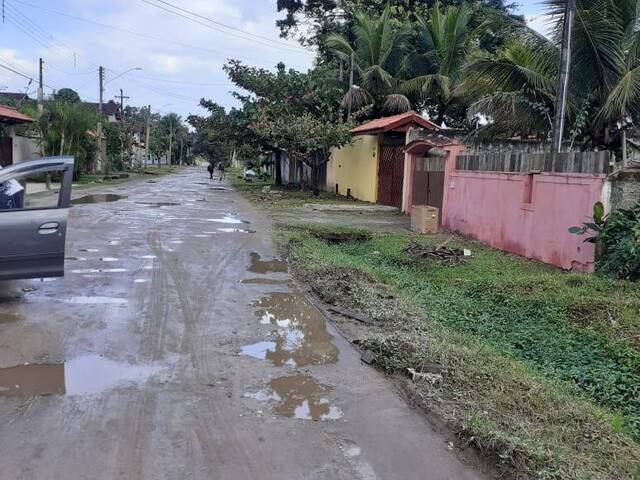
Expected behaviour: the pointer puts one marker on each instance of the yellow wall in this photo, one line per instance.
(355, 167)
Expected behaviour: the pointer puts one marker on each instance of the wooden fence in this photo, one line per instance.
(570, 162)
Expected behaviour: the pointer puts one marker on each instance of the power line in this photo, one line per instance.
(246, 35)
(13, 69)
(134, 33)
(183, 82)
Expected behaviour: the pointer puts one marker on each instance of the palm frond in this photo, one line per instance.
(397, 103)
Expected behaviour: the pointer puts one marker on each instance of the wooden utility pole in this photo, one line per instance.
(40, 87)
(122, 98)
(102, 161)
(148, 137)
(563, 78)
(170, 140)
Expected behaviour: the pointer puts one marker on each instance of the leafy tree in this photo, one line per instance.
(67, 95)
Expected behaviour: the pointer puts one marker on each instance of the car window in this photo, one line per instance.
(38, 184)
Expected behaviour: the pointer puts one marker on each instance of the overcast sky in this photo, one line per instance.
(181, 60)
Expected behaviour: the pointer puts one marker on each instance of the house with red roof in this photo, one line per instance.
(12, 146)
(378, 168)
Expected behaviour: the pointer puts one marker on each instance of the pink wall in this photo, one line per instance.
(492, 207)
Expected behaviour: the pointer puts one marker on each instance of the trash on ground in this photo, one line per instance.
(446, 256)
(432, 378)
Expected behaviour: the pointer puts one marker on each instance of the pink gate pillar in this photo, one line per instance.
(420, 147)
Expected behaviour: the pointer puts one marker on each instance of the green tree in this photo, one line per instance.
(67, 95)
(377, 54)
(435, 65)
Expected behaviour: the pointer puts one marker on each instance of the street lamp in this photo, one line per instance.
(123, 73)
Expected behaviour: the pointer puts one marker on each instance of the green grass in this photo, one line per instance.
(291, 196)
(542, 366)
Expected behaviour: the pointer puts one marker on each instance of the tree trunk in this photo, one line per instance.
(278, 167)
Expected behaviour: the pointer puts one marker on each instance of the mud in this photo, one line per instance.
(300, 397)
(9, 317)
(299, 337)
(98, 198)
(84, 375)
(266, 266)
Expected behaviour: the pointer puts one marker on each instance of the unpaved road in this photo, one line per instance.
(177, 347)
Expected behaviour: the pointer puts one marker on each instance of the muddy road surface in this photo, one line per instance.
(178, 347)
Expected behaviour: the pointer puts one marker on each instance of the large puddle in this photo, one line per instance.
(258, 265)
(299, 396)
(98, 198)
(81, 376)
(228, 219)
(299, 336)
(158, 204)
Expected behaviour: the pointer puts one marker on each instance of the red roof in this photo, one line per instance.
(12, 116)
(398, 122)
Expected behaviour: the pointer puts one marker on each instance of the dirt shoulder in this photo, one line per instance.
(535, 368)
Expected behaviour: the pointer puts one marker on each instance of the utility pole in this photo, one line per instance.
(102, 161)
(563, 78)
(170, 139)
(181, 147)
(40, 87)
(122, 98)
(146, 141)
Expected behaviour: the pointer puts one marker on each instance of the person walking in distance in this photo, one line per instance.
(221, 170)
(210, 170)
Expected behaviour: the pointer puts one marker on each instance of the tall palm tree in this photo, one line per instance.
(377, 53)
(518, 86)
(445, 40)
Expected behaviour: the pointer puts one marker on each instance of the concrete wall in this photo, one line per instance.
(24, 148)
(494, 208)
(355, 167)
(625, 189)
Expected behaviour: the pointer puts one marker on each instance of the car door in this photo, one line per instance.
(32, 236)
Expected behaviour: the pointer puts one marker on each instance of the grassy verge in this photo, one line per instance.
(538, 368)
(282, 196)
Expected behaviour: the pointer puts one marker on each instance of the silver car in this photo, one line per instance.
(33, 233)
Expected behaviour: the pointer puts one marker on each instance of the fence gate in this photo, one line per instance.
(391, 172)
(428, 182)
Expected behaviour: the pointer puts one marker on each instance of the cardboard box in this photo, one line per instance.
(424, 219)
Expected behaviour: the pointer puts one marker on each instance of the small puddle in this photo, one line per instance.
(264, 281)
(266, 266)
(99, 270)
(227, 219)
(158, 204)
(84, 375)
(300, 397)
(89, 250)
(84, 300)
(109, 259)
(300, 337)
(98, 198)
(235, 230)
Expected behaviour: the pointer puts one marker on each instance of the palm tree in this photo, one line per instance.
(517, 87)
(376, 53)
(444, 42)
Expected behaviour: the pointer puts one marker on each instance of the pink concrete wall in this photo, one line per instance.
(492, 207)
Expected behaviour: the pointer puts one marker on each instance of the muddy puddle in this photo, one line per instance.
(299, 336)
(235, 230)
(228, 219)
(87, 300)
(258, 265)
(158, 204)
(97, 198)
(300, 397)
(82, 271)
(264, 281)
(84, 375)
